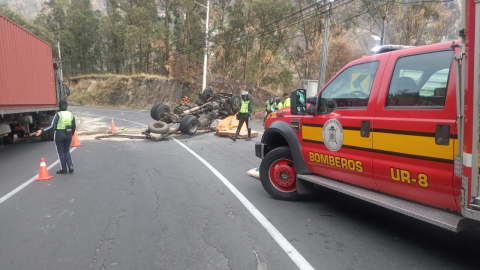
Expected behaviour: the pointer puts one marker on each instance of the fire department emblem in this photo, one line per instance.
(333, 135)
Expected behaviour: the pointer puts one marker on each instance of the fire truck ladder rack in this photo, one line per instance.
(447, 220)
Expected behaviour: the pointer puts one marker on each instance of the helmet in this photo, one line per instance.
(278, 99)
(270, 100)
(244, 95)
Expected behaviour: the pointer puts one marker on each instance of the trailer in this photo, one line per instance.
(30, 85)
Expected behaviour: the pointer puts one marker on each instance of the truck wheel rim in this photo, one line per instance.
(283, 175)
(193, 127)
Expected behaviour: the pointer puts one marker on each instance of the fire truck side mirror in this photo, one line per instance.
(298, 99)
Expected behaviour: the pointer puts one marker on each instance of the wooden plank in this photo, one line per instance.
(242, 135)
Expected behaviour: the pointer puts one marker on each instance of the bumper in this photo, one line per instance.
(260, 150)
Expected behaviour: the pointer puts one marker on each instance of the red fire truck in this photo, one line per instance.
(399, 129)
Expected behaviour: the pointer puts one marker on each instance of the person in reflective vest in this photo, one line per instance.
(278, 103)
(243, 115)
(269, 107)
(64, 124)
(286, 103)
(185, 101)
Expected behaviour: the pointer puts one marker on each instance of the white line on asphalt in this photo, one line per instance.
(114, 118)
(22, 186)
(141, 111)
(296, 257)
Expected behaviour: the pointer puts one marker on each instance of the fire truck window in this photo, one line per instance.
(420, 80)
(351, 88)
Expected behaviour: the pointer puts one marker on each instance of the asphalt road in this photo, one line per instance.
(138, 204)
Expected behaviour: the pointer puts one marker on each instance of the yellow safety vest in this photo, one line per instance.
(286, 103)
(244, 106)
(65, 118)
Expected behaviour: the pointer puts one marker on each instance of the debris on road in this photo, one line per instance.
(255, 172)
(228, 127)
(207, 112)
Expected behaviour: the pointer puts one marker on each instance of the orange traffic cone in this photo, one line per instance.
(75, 141)
(113, 129)
(43, 171)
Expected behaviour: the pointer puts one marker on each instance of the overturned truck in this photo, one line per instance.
(205, 113)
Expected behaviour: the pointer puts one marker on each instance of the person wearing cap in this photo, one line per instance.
(64, 124)
(269, 107)
(243, 115)
(286, 103)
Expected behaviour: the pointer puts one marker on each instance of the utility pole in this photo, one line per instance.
(60, 63)
(205, 60)
(323, 56)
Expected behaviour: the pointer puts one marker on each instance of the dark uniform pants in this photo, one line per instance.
(62, 142)
(243, 118)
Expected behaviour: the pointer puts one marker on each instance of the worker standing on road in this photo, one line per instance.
(269, 107)
(64, 124)
(286, 103)
(243, 115)
(278, 103)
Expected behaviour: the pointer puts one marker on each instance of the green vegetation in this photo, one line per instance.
(270, 43)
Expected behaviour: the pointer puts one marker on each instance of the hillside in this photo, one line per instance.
(142, 91)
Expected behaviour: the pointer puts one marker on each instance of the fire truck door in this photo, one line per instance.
(414, 128)
(337, 141)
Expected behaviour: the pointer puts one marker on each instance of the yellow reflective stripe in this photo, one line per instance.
(389, 142)
(312, 133)
(412, 145)
(353, 138)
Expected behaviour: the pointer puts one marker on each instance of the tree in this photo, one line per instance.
(83, 25)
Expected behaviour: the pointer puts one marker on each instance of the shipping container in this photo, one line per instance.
(30, 87)
(27, 80)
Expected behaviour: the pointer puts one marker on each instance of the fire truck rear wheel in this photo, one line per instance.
(278, 176)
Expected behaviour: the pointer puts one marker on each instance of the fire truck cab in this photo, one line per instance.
(398, 129)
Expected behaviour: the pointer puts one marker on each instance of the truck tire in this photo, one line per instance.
(158, 127)
(189, 125)
(278, 176)
(207, 93)
(51, 134)
(8, 139)
(154, 108)
(235, 102)
(161, 111)
(45, 136)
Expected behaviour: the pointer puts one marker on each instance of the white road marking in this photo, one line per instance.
(141, 111)
(114, 118)
(22, 186)
(296, 257)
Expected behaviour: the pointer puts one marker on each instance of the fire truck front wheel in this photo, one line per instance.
(278, 176)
